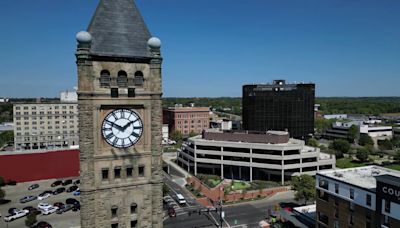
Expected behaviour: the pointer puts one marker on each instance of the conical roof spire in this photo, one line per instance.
(118, 30)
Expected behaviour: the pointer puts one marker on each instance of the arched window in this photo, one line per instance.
(122, 79)
(105, 78)
(138, 80)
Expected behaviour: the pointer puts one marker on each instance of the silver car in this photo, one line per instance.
(27, 199)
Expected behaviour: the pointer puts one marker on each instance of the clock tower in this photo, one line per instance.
(119, 89)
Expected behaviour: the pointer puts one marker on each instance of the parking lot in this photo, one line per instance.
(68, 219)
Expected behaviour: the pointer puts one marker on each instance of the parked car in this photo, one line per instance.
(71, 201)
(72, 188)
(171, 212)
(11, 182)
(56, 183)
(43, 225)
(4, 201)
(49, 210)
(33, 186)
(32, 210)
(66, 208)
(12, 210)
(67, 182)
(76, 182)
(77, 206)
(59, 205)
(42, 206)
(16, 215)
(77, 193)
(58, 191)
(43, 196)
(27, 199)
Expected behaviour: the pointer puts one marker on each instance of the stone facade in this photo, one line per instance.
(119, 187)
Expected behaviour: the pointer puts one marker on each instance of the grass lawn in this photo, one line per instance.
(240, 186)
(348, 163)
(393, 166)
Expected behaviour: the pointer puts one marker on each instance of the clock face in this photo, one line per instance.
(122, 128)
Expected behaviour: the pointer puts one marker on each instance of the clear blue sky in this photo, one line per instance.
(212, 47)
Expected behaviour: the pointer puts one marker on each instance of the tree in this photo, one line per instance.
(192, 134)
(362, 154)
(30, 220)
(165, 189)
(313, 142)
(396, 157)
(365, 140)
(304, 185)
(2, 193)
(353, 133)
(340, 145)
(385, 144)
(176, 136)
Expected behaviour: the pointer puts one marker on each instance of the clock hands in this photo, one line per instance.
(129, 124)
(120, 128)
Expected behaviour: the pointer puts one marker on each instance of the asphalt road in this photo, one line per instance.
(68, 219)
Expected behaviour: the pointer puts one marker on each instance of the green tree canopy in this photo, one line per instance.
(176, 136)
(340, 145)
(353, 133)
(2, 193)
(362, 154)
(30, 220)
(5, 137)
(313, 142)
(385, 144)
(304, 186)
(365, 140)
(396, 157)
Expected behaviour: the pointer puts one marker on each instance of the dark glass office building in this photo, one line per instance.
(279, 106)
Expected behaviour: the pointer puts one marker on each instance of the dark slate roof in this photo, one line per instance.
(118, 30)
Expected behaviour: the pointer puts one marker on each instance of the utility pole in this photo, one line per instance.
(221, 188)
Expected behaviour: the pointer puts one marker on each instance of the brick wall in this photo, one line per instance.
(24, 167)
(214, 194)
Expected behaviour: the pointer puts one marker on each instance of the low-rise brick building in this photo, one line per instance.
(187, 119)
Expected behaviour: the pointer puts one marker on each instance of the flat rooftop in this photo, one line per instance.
(363, 177)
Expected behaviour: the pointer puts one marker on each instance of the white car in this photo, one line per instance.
(43, 206)
(49, 210)
(17, 214)
(43, 196)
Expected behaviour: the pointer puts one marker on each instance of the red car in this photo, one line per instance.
(171, 212)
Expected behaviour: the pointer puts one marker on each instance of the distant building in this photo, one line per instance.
(377, 132)
(69, 96)
(335, 116)
(358, 197)
(279, 106)
(45, 125)
(6, 126)
(340, 130)
(187, 119)
(221, 124)
(4, 100)
(165, 132)
(252, 156)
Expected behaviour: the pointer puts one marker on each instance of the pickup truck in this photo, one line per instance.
(17, 214)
